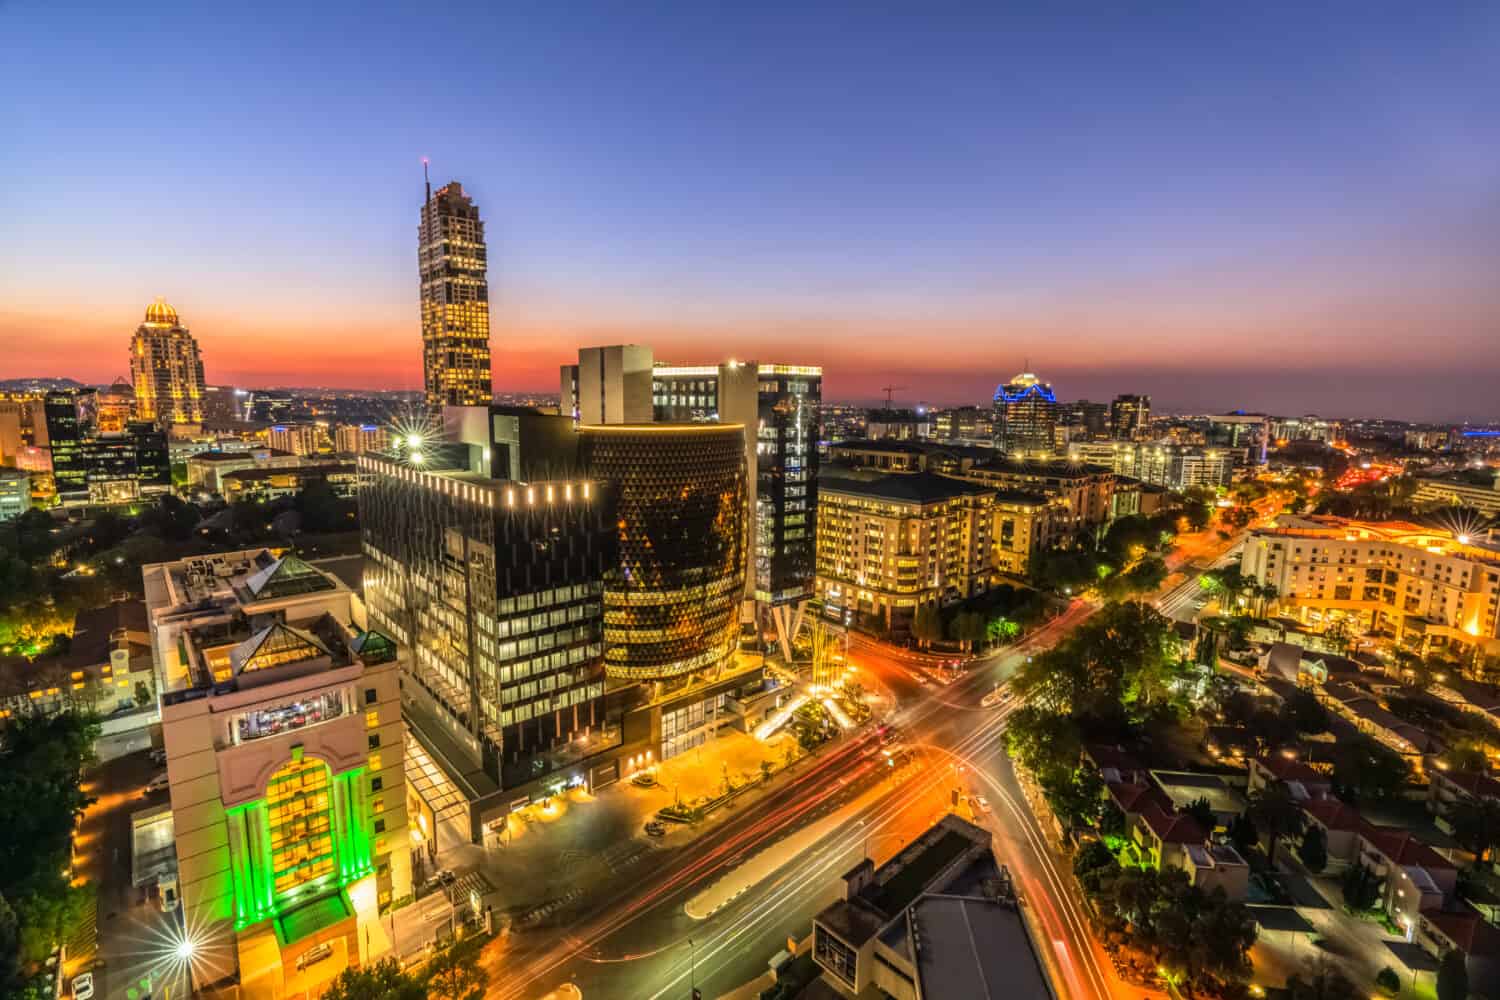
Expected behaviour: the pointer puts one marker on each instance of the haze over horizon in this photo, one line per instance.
(1273, 209)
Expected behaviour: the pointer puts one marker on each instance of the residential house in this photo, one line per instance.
(1416, 877)
(1462, 929)
(1302, 780)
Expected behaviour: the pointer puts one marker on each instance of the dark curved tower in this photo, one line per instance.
(670, 605)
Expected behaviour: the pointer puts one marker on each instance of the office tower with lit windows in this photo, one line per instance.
(1086, 420)
(1247, 434)
(495, 587)
(116, 407)
(671, 602)
(1026, 417)
(167, 371)
(779, 407)
(281, 721)
(455, 299)
(90, 467)
(1130, 417)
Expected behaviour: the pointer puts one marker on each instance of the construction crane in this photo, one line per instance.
(890, 391)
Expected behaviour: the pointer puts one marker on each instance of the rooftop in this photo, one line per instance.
(916, 487)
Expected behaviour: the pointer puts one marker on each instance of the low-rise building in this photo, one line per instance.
(939, 920)
(1416, 877)
(15, 493)
(207, 470)
(106, 669)
(264, 485)
(298, 439)
(1459, 493)
(356, 439)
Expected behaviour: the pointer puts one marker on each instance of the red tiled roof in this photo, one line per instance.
(1291, 770)
(1133, 798)
(1334, 815)
(1474, 783)
(1467, 930)
(1404, 848)
(1172, 828)
(1103, 755)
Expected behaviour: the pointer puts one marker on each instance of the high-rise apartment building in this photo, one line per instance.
(1026, 416)
(295, 439)
(1130, 417)
(778, 405)
(455, 298)
(356, 439)
(1084, 493)
(965, 424)
(1172, 466)
(167, 371)
(281, 721)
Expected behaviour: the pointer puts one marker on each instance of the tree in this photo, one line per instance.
(1314, 849)
(1001, 630)
(1325, 983)
(10, 949)
(1388, 980)
(927, 623)
(1361, 889)
(1243, 834)
(1093, 857)
(455, 973)
(382, 981)
(1476, 825)
(1453, 976)
(765, 771)
(1202, 813)
(1306, 713)
(1276, 812)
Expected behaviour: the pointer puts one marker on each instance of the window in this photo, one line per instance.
(374, 741)
(376, 784)
(372, 719)
(370, 696)
(380, 826)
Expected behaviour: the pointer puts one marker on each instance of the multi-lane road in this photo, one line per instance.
(642, 943)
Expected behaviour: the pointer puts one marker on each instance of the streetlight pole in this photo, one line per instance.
(693, 968)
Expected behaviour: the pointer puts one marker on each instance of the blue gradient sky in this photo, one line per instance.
(1274, 207)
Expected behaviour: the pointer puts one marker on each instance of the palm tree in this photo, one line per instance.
(1276, 812)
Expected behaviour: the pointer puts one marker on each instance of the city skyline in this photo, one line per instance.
(1291, 221)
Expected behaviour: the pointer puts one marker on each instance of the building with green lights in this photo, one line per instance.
(281, 719)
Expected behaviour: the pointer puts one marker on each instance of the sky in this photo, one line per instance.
(1289, 207)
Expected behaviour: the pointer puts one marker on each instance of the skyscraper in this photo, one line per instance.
(778, 405)
(451, 256)
(1026, 412)
(1130, 417)
(167, 371)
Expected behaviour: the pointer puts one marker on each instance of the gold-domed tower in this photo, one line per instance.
(167, 371)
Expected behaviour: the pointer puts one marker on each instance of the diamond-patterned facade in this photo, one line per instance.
(671, 603)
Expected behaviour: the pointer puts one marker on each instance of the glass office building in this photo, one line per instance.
(671, 601)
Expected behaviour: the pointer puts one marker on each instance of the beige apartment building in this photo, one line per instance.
(887, 544)
(1426, 588)
(281, 720)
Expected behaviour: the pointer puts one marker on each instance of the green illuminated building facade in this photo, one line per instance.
(281, 719)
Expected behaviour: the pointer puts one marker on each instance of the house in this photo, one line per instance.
(106, 669)
(1163, 836)
(1223, 794)
(941, 919)
(1444, 788)
(1301, 779)
(1217, 866)
(1341, 825)
(1416, 877)
(1463, 929)
(1114, 764)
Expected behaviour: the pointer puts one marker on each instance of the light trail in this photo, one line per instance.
(805, 876)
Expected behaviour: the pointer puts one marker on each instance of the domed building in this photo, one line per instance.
(167, 371)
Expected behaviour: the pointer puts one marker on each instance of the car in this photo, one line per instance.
(446, 876)
(656, 828)
(158, 755)
(83, 986)
(160, 783)
(981, 803)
